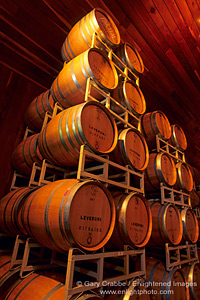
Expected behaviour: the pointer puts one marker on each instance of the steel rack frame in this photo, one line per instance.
(126, 71)
(104, 165)
(168, 194)
(100, 168)
(99, 259)
(164, 146)
(197, 212)
(179, 255)
(27, 264)
(126, 118)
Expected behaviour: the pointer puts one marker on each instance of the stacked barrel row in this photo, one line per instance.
(86, 214)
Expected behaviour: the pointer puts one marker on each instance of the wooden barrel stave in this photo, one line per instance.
(10, 211)
(160, 169)
(129, 95)
(178, 138)
(166, 225)
(37, 109)
(190, 225)
(79, 39)
(89, 123)
(131, 149)
(155, 123)
(171, 285)
(130, 57)
(64, 221)
(184, 177)
(25, 154)
(192, 275)
(133, 225)
(195, 198)
(8, 276)
(69, 87)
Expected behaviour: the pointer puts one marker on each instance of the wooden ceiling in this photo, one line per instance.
(165, 32)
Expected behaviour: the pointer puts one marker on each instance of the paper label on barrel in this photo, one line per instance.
(186, 178)
(168, 170)
(134, 98)
(107, 27)
(190, 226)
(90, 215)
(163, 125)
(134, 59)
(135, 150)
(97, 128)
(101, 69)
(172, 223)
(137, 220)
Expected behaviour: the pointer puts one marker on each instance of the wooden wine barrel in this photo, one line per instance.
(38, 286)
(195, 174)
(7, 277)
(69, 213)
(192, 275)
(130, 57)
(37, 109)
(195, 198)
(161, 168)
(79, 39)
(184, 177)
(133, 221)
(165, 285)
(166, 225)
(178, 138)
(134, 291)
(129, 95)
(155, 123)
(190, 225)
(89, 123)
(69, 86)
(131, 150)
(25, 154)
(10, 211)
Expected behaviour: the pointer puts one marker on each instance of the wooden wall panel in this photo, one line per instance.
(166, 33)
(16, 94)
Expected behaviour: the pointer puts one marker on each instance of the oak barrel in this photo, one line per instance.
(69, 213)
(160, 169)
(131, 149)
(184, 177)
(89, 123)
(166, 225)
(38, 286)
(155, 123)
(129, 95)
(192, 274)
(25, 154)
(69, 86)
(133, 224)
(80, 36)
(129, 55)
(195, 174)
(165, 285)
(178, 138)
(35, 113)
(190, 225)
(10, 211)
(8, 276)
(195, 198)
